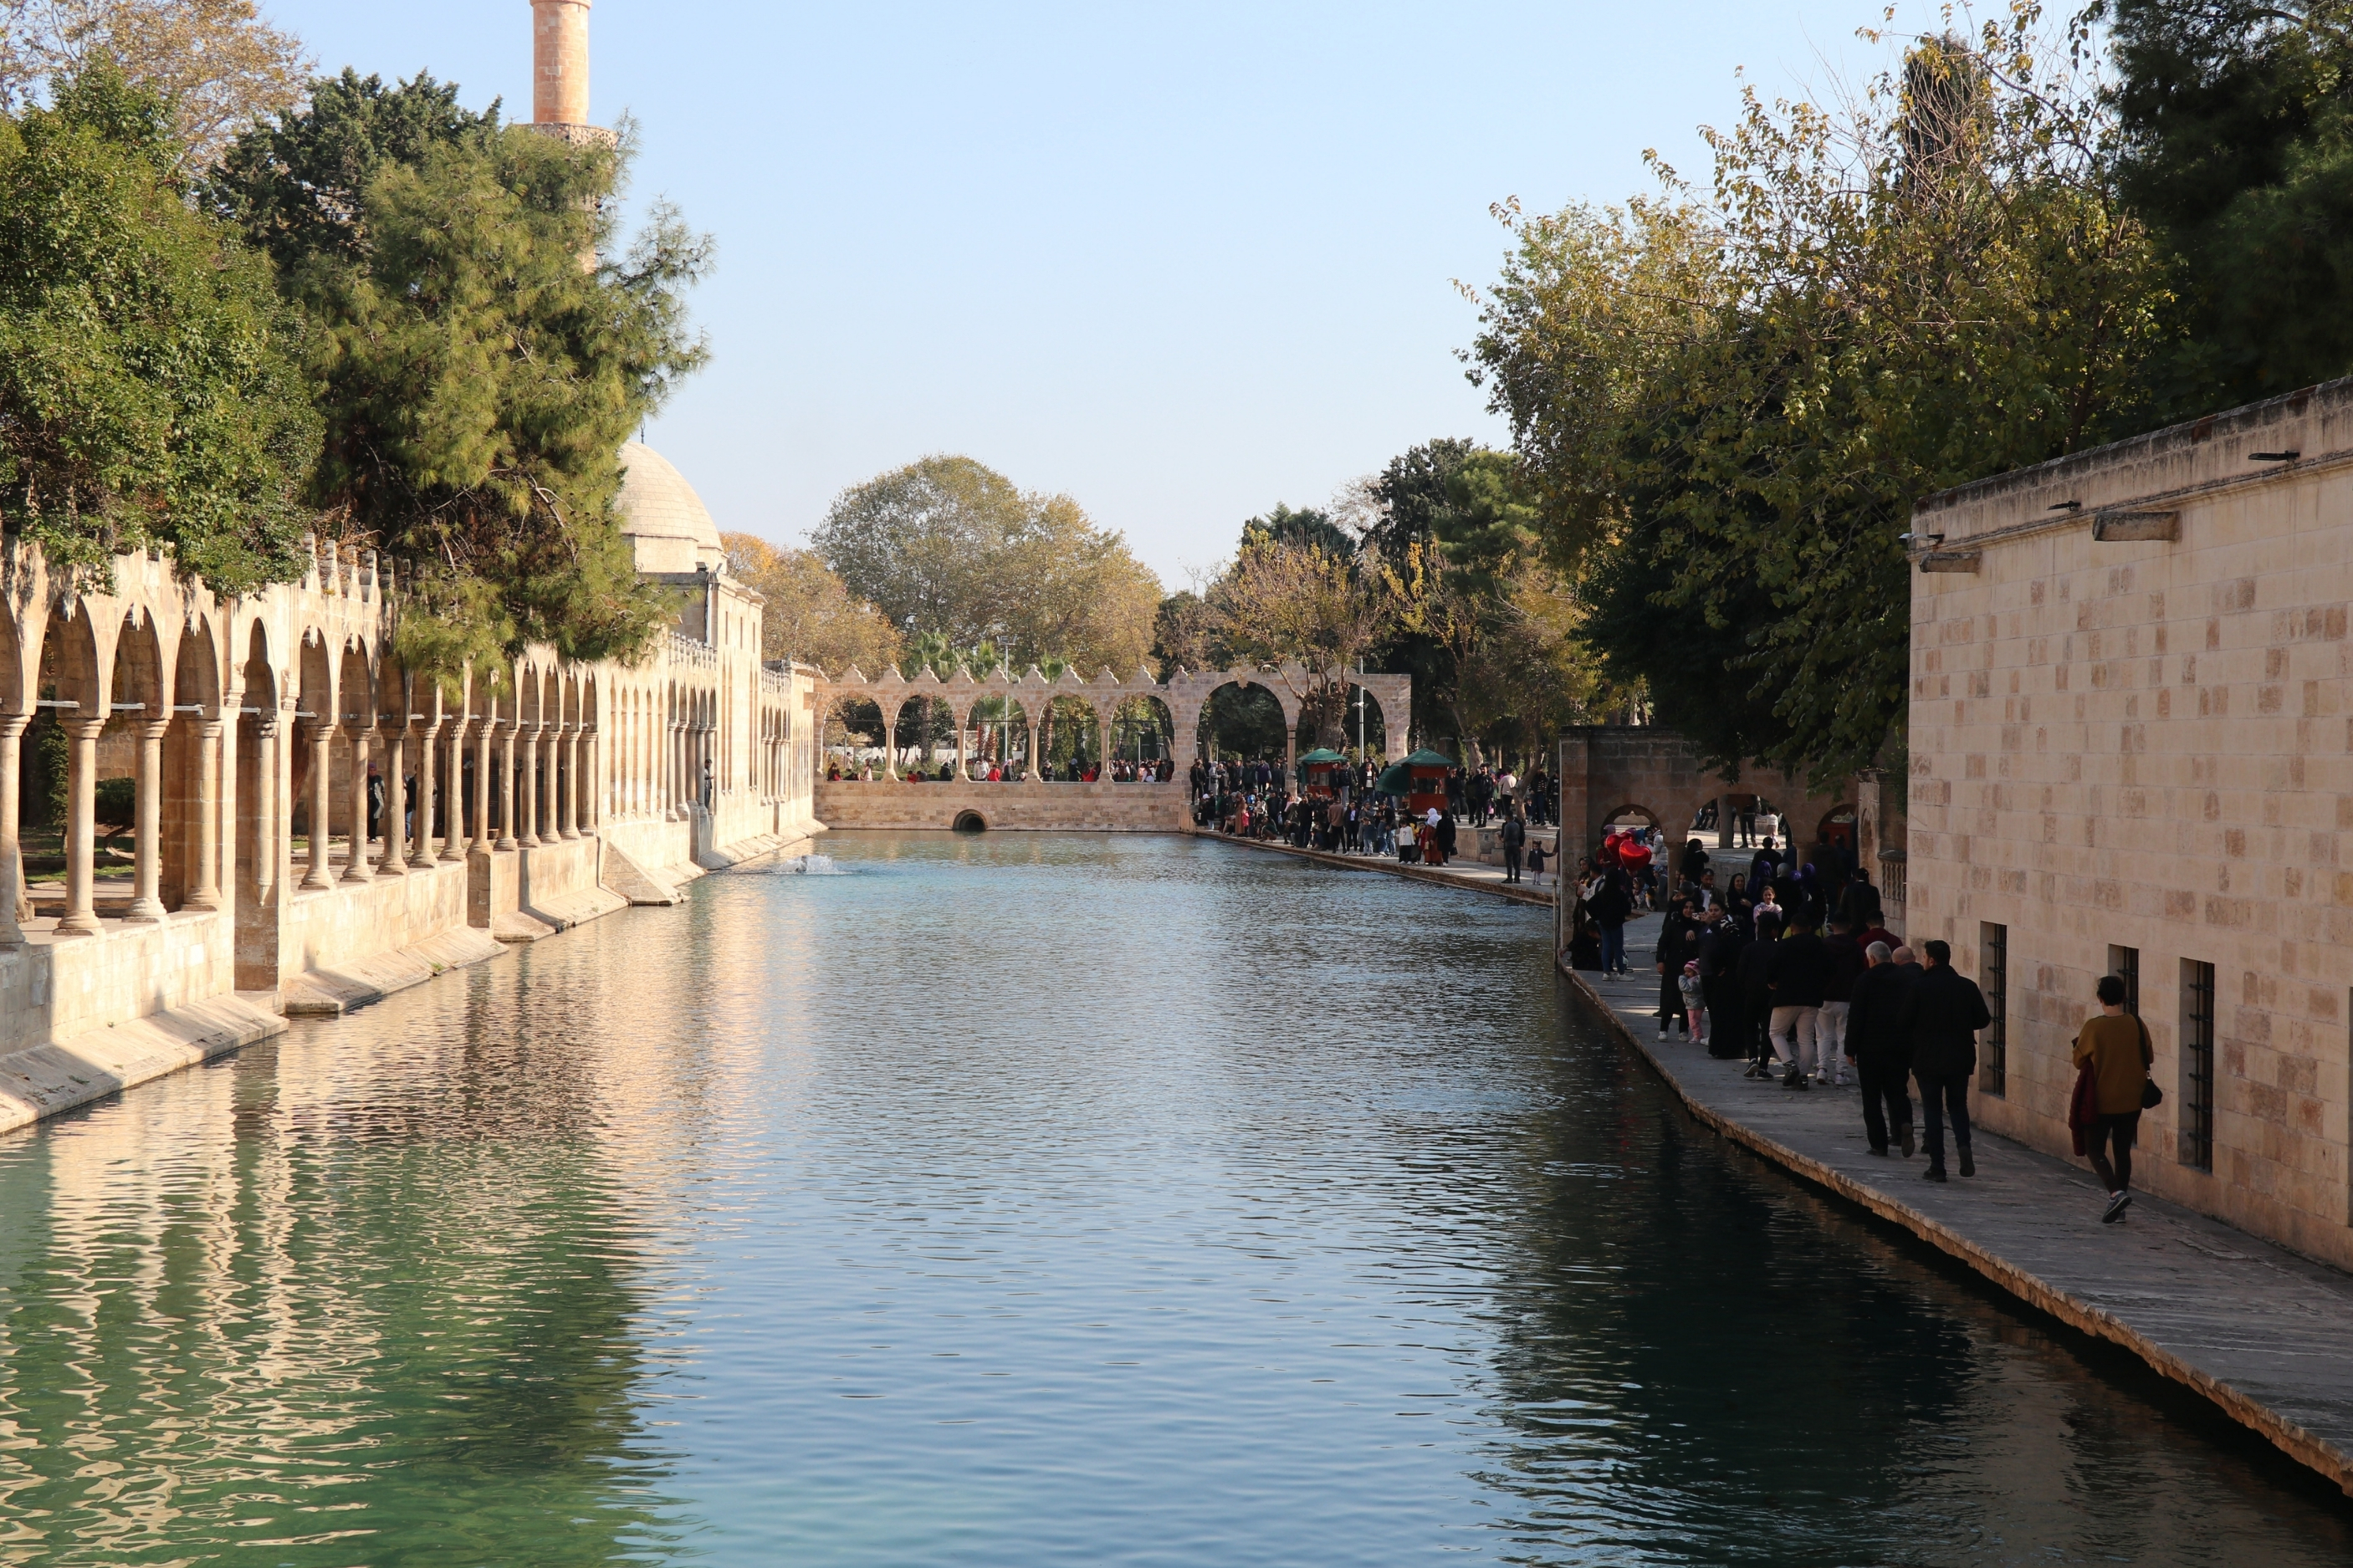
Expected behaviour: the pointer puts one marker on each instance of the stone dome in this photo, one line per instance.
(662, 516)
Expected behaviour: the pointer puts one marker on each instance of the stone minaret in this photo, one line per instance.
(559, 60)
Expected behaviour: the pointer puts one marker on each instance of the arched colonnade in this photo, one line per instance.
(1182, 695)
(249, 718)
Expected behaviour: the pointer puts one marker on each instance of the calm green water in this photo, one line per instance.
(1027, 1201)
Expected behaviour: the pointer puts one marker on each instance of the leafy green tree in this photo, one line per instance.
(150, 388)
(479, 358)
(1306, 526)
(947, 545)
(2236, 125)
(1873, 306)
(1408, 491)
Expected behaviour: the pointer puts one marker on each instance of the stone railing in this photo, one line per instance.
(693, 654)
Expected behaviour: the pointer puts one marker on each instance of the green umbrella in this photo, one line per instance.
(1426, 758)
(1396, 779)
(1321, 755)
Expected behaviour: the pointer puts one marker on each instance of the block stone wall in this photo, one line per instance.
(2130, 728)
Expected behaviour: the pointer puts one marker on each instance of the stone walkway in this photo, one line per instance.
(2264, 1333)
(1460, 874)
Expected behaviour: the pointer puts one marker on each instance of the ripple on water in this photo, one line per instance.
(1025, 1200)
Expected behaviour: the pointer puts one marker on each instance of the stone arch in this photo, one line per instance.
(13, 697)
(314, 711)
(1143, 728)
(1003, 731)
(925, 718)
(969, 822)
(260, 837)
(1071, 727)
(1631, 812)
(1252, 724)
(1377, 738)
(357, 712)
(1841, 822)
(192, 829)
(851, 714)
(74, 682)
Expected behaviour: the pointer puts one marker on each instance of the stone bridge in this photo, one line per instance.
(1182, 697)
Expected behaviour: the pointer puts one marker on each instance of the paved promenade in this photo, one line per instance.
(1461, 874)
(2264, 1333)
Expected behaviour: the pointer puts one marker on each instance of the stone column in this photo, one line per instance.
(1030, 722)
(570, 827)
(355, 868)
(205, 894)
(12, 849)
(675, 766)
(592, 792)
(509, 792)
(479, 841)
(147, 852)
(1723, 824)
(526, 833)
(322, 731)
(394, 860)
(890, 739)
(964, 759)
(81, 827)
(453, 790)
(427, 808)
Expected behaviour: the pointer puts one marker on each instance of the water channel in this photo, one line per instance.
(1027, 1200)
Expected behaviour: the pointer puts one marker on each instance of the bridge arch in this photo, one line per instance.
(1244, 718)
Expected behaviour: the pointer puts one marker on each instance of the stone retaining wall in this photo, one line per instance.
(1031, 807)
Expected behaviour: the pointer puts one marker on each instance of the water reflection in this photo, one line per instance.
(1025, 1200)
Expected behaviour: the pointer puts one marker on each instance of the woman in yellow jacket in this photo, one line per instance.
(2114, 1047)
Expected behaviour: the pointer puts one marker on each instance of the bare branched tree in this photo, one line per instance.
(221, 66)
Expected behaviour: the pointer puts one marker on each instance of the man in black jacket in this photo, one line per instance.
(1948, 1011)
(1757, 996)
(1721, 943)
(1609, 906)
(1879, 1043)
(1515, 840)
(1796, 975)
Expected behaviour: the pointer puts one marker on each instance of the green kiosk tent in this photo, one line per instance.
(1316, 769)
(1421, 778)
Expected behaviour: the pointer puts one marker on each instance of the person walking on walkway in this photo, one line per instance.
(1721, 943)
(1677, 945)
(1878, 1042)
(1756, 996)
(1947, 1011)
(1515, 839)
(1847, 964)
(1796, 975)
(1609, 906)
(2113, 1057)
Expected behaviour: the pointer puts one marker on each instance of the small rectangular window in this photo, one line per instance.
(2197, 1115)
(2123, 962)
(1993, 979)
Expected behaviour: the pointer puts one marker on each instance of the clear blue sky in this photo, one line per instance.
(1180, 261)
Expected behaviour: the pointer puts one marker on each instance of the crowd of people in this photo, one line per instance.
(1787, 966)
(1346, 814)
(1077, 769)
